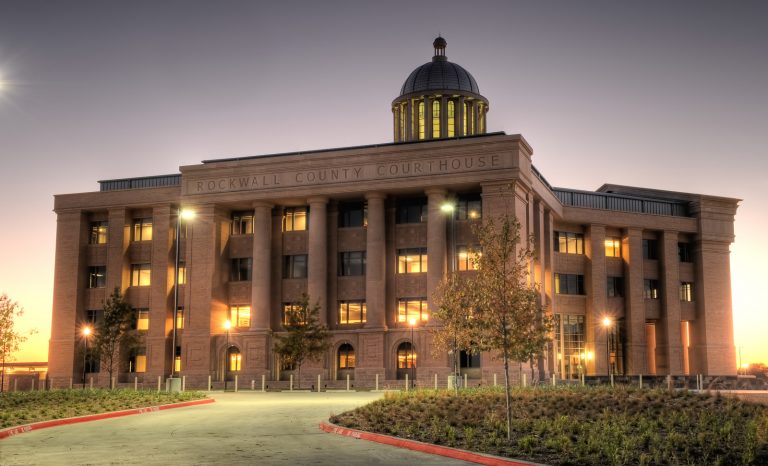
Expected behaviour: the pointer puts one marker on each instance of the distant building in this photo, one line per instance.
(24, 376)
(361, 231)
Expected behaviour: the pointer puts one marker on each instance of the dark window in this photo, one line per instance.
(241, 269)
(650, 249)
(352, 312)
(92, 365)
(352, 214)
(616, 286)
(413, 260)
(351, 263)
(97, 233)
(469, 360)
(92, 316)
(686, 292)
(411, 210)
(569, 243)
(242, 223)
(295, 266)
(469, 207)
(684, 251)
(569, 283)
(97, 276)
(651, 289)
(142, 229)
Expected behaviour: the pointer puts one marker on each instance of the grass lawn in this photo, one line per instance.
(18, 408)
(578, 425)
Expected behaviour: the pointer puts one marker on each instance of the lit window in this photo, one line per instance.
(346, 356)
(481, 118)
(616, 286)
(242, 223)
(295, 266)
(650, 249)
(651, 289)
(97, 276)
(411, 210)
(241, 269)
(142, 229)
(295, 219)
(684, 251)
(613, 247)
(467, 257)
(352, 214)
(351, 263)
(352, 312)
(406, 357)
(180, 317)
(570, 337)
(569, 243)
(137, 363)
(413, 260)
(140, 274)
(182, 278)
(177, 360)
(142, 319)
(686, 292)
(435, 118)
(292, 314)
(235, 359)
(408, 308)
(240, 316)
(401, 118)
(469, 207)
(97, 233)
(569, 283)
(421, 120)
(451, 119)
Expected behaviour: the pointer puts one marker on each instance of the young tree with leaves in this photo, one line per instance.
(305, 338)
(114, 332)
(10, 339)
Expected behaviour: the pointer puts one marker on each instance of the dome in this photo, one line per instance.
(439, 75)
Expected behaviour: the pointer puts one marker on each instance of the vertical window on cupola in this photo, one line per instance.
(451, 119)
(421, 120)
(435, 119)
(402, 121)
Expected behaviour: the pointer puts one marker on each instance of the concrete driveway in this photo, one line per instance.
(240, 428)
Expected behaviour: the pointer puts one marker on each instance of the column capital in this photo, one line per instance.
(256, 204)
(435, 191)
(375, 195)
(317, 200)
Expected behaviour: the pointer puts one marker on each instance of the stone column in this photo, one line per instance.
(261, 282)
(444, 117)
(436, 245)
(596, 285)
(317, 287)
(375, 268)
(460, 116)
(118, 240)
(634, 302)
(408, 120)
(475, 119)
(427, 117)
(669, 328)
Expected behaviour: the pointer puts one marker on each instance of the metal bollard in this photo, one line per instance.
(524, 381)
(641, 380)
(318, 383)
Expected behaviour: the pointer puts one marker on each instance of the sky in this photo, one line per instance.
(668, 95)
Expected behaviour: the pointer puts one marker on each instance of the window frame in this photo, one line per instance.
(142, 229)
(240, 314)
(98, 232)
(346, 212)
(615, 286)
(612, 245)
(569, 284)
(565, 238)
(469, 262)
(344, 313)
(404, 311)
(242, 223)
(139, 272)
(349, 269)
(686, 292)
(241, 269)
(290, 216)
(684, 252)
(97, 276)
(403, 260)
(468, 204)
(290, 266)
(650, 249)
(651, 288)
(406, 211)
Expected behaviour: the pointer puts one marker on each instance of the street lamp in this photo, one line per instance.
(86, 333)
(227, 326)
(181, 214)
(607, 323)
(412, 323)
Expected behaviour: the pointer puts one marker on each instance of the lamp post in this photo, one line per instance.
(86, 333)
(227, 326)
(412, 323)
(181, 214)
(607, 323)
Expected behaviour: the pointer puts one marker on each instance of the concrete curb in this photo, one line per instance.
(415, 445)
(11, 431)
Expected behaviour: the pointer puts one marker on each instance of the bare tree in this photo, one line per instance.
(10, 339)
(114, 332)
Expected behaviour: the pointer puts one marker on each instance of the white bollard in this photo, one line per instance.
(465, 380)
(406, 382)
(669, 382)
(15, 385)
(253, 385)
(494, 379)
(524, 381)
(70, 383)
(318, 383)
(611, 380)
(159, 378)
(113, 383)
(583, 381)
(377, 382)
(135, 384)
(641, 380)
(347, 382)
(435, 381)
(91, 383)
(209, 383)
(236, 382)
(291, 386)
(263, 382)
(554, 382)
(33, 385)
(183, 383)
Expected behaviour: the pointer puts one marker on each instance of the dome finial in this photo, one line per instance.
(439, 44)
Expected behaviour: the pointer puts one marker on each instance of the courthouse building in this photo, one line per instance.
(361, 231)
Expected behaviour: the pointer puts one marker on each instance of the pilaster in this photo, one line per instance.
(261, 273)
(634, 304)
(436, 246)
(317, 283)
(375, 268)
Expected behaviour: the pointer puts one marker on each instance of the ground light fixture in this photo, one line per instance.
(86, 334)
(227, 327)
(183, 215)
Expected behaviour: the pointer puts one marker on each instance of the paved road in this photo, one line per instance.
(240, 428)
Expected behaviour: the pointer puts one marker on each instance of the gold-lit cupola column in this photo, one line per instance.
(439, 100)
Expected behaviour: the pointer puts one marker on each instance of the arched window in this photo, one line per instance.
(421, 119)
(234, 359)
(451, 119)
(346, 357)
(406, 356)
(435, 118)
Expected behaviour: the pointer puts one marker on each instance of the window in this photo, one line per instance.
(241, 269)
(292, 309)
(346, 356)
(421, 120)
(352, 312)
(468, 119)
(406, 356)
(97, 276)
(415, 308)
(569, 283)
(92, 316)
(612, 247)
(242, 223)
(572, 356)
(411, 210)
(451, 119)
(353, 214)
(235, 359)
(92, 364)
(468, 360)
(351, 263)
(616, 286)
(467, 257)
(180, 317)
(97, 233)
(141, 319)
(240, 316)
(140, 274)
(684, 251)
(137, 362)
(177, 360)
(182, 278)
(295, 219)
(435, 118)
(142, 229)
(686, 292)
(650, 249)
(569, 243)
(413, 260)
(651, 289)
(469, 207)
(295, 266)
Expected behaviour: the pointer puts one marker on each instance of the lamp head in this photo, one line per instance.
(447, 207)
(187, 214)
(227, 324)
(607, 321)
(87, 331)
(412, 321)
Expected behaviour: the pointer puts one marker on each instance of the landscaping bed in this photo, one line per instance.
(18, 408)
(577, 425)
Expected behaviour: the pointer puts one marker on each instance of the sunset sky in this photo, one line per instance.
(668, 95)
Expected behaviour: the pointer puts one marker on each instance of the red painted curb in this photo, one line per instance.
(454, 453)
(11, 431)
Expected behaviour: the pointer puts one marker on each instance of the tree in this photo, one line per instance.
(507, 308)
(10, 339)
(114, 332)
(305, 337)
